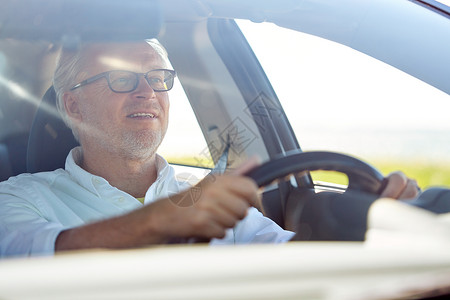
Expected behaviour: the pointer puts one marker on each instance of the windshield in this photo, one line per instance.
(390, 119)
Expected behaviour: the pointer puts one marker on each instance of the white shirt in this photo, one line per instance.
(35, 208)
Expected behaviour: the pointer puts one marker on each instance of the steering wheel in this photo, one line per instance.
(324, 215)
(361, 176)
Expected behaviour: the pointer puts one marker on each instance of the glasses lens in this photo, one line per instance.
(160, 80)
(122, 81)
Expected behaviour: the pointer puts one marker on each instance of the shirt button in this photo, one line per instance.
(121, 199)
(96, 180)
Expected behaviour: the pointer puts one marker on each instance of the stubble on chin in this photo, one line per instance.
(141, 145)
(128, 145)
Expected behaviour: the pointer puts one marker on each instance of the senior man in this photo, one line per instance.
(114, 190)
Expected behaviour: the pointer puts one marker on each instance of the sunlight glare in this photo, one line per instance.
(22, 93)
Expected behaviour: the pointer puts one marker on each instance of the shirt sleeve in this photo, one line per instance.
(255, 228)
(23, 231)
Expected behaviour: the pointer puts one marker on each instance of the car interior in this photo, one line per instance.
(236, 114)
(230, 95)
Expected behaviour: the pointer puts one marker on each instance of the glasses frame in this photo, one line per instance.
(106, 75)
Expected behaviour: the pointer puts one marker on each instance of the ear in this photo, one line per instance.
(71, 104)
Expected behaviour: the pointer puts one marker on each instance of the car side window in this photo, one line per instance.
(184, 145)
(338, 99)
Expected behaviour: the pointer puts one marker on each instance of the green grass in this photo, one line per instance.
(426, 173)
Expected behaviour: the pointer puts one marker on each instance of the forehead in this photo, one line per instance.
(137, 57)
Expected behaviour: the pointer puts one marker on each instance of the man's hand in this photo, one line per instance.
(220, 206)
(223, 200)
(400, 187)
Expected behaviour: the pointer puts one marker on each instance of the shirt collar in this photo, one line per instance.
(89, 181)
(84, 178)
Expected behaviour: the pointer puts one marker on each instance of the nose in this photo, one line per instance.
(144, 90)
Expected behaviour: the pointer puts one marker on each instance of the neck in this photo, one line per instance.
(131, 175)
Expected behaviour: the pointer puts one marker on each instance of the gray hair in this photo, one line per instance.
(68, 68)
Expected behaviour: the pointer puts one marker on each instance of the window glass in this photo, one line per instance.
(446, 2)
(338, 99)
(184, 143)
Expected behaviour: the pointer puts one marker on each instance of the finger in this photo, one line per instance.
(397, 182)
(238, 186)
(244, 188)
(233, 193)
(202, 225)
(226, 213)
(236, 207)
(410, 191)
(215, 231)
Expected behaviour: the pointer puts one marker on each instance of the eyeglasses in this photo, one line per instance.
(160, 80)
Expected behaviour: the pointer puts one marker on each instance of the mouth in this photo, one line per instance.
(141, 115)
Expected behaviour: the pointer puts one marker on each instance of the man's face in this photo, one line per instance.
(130, 124)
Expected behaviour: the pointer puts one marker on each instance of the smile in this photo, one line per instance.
(142, 115)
